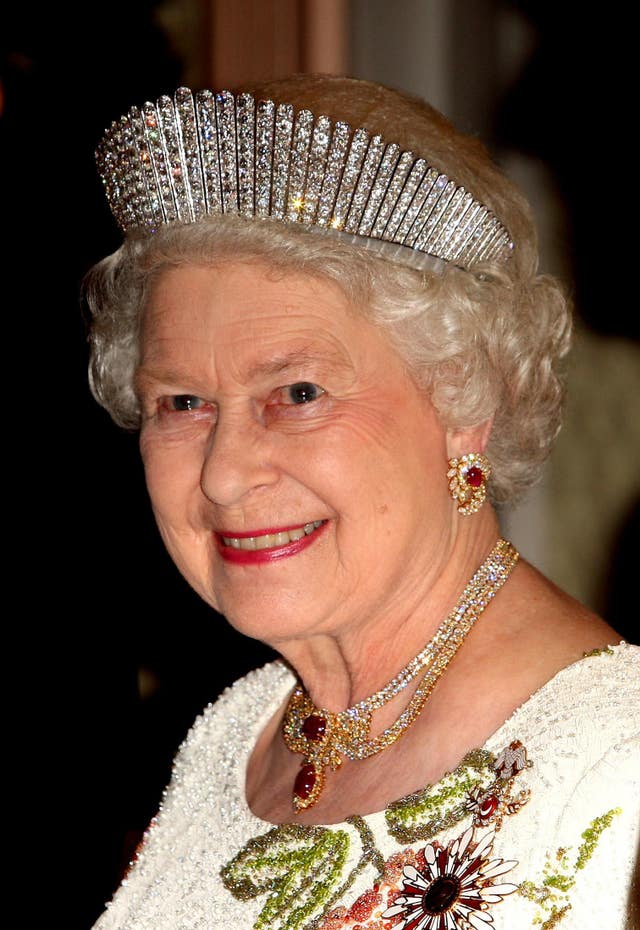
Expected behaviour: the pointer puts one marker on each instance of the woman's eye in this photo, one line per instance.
(303, 392)
(181, 403)
(183, 412)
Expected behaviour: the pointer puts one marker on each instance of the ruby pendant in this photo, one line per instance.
(314, 727)
(305, 781)
(307, 786)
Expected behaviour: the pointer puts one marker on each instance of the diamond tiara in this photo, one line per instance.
(207, 154)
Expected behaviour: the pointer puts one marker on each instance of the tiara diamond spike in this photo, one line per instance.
(450, 219)
(465, 224)
(392, 195)
(481, 241)
(373, 158)
(299, 159)
(265, 128)
(147, 178)
(416, 207)
(181, 159)
(281, 153)
(319, 151)
(474, 225)
(245, 128)
(226, 121)
(333, 176)
(174, 153)
(128, 165)
(431, 229)
(186, 118)
(401, 207)
(379, 189)
(208, 138)
(438, 183)
(156, 144)
(353, 164)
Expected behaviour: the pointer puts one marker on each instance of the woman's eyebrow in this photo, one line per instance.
(152, 374)
(297, 359)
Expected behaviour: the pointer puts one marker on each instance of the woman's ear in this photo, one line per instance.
(474, 439)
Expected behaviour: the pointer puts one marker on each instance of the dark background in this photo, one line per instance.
(104, 677)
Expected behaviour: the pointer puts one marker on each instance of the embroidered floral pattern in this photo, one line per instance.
(370, 905)
(299, 867)
(302, 869)
(551, 892)
(482, 785)
(430, 889)
(498, 800)
(455, 889)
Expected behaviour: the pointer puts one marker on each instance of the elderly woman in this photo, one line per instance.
(327, 324)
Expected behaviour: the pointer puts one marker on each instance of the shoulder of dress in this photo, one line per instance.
(606, 681)
(214, 749)
(246, 698)
(587, 707)
(258, 685)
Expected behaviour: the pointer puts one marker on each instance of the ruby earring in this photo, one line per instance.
(468, 481)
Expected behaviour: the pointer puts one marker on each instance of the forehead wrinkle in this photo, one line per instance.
(150, 375)
(284, 361)
(247, 350)
(157, 372)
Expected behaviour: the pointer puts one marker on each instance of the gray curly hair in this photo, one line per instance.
(483, 344)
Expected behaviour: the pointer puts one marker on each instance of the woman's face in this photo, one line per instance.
(273, 412)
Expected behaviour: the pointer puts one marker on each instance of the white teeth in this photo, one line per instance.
(264, 542)
(271, 540)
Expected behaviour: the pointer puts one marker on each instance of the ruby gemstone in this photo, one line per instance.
(441, 894)
(488, 806)
(305, 781)
(314, 727)
(474, 477)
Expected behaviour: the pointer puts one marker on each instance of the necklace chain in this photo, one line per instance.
(323, 737)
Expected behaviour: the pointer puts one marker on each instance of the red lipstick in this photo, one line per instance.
(261, 556)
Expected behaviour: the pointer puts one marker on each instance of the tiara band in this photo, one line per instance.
(210, 154)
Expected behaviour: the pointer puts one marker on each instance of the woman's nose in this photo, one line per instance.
(237, 460)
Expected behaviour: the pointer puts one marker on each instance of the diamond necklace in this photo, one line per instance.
(322, 737)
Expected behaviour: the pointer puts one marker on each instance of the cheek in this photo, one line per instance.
(394, 441)
(174, 494)
(171, 473)
(397, 471)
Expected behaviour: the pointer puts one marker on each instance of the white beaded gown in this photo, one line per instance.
(537, 828)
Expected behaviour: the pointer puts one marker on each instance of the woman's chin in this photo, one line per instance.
(271, 632)
(272, 625)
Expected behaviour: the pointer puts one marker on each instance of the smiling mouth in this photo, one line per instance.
(271, 540)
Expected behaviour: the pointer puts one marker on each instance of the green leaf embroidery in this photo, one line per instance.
(298, 866)
(441, 806)
(551, 893)
(606, 651)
